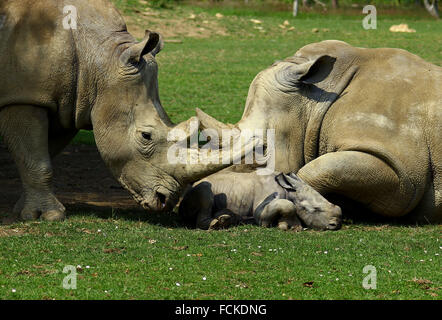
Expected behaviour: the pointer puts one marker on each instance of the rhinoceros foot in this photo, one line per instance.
(221, 222)
(46, 207)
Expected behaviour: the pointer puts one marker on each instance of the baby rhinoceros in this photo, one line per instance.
(228, 198)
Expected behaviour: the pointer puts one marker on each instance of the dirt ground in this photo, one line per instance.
(174, 24)
(81, 181)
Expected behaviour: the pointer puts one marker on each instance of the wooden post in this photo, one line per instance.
(432, 8)
(295, 7)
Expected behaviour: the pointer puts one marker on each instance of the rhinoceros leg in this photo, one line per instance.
(25, 132)
(281, 211)
(224, 219)
(361, 177)
(197, 206)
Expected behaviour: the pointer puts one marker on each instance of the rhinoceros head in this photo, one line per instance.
(284, 97)
(131, 129)
(311, 207)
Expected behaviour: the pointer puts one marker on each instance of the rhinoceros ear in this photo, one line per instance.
(290, 182)
(282, 181)
(312, 71)
(152, 43)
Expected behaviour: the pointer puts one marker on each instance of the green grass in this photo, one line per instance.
(131, 255)
(130, 258)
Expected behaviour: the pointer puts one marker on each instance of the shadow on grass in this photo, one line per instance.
(356, 213)
(165, 219)
(353, 214)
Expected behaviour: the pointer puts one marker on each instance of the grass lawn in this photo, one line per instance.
(125, 258)
(153, 257)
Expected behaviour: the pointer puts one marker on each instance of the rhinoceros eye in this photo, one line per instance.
(146, 135)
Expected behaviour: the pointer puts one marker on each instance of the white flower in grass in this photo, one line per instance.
(204, 278)
(14, 291)
(178, 284)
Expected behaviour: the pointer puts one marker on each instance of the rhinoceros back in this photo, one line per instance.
(392, 109)
(42, 53)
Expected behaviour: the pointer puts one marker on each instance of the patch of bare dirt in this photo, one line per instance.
(81, 182)
(175, 25)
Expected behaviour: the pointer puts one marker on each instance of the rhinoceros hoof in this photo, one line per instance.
(225, 221)
(282, 225)
(296, 228)
(53, 215)
(47, 208)
(222, 222)
(28, 215)
(285, 226)
(50, 215)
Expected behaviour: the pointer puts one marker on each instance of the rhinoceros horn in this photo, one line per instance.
(208, 122)
(194, 170)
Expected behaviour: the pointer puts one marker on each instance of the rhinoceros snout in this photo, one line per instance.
(335, 221)
(156, 201)
(336, 225)
(162, 199)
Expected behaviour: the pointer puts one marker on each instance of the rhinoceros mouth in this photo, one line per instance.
(159, 202)
(149, 199)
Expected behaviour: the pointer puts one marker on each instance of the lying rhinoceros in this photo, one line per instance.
(229, 197)
(365, 124)
(70, 65)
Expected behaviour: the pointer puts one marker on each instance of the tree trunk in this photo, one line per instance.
(335, 4)
(295, 7)
(432, 8)
(305, 3)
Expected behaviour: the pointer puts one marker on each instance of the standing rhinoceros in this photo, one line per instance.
(365, 124)
(70, 65)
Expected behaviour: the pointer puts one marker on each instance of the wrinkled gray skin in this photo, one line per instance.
(229, 197)
(54, 82)
(365, 124)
